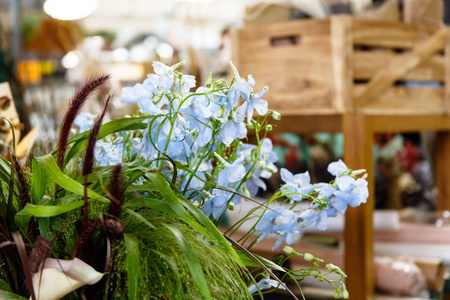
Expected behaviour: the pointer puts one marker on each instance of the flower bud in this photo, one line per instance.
(345, 294)
(231, 206)
(209, 81)
(358, 172)
(276, 115)
(176, 66)
(261, 164)
(335, 269)
(157, 99)
(246, 193)
(221, 112)
(289, 250)
(269, 128)
(308, 257)
(250, 126)
(337, 293)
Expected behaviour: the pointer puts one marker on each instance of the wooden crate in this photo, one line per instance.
(342, 64)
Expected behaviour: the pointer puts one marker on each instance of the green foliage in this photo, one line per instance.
(164, 271)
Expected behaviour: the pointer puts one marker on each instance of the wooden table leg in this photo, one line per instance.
(442, 167)
(358, 233)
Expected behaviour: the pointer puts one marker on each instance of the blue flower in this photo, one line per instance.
(146, 96)
(283, 222)
(217, 204)
(296, 185)
(254, 102)
(84, 121)
(144, 146)
(335, 203)
(165, 75)
(233, 128)
(265, 284)
(264, 168)
(231, 173)
(268, 158)
(355, 194)
(254, 183)
(337, 168)
(244, 89)
(200, 125)
(196, 182)
(108, 153)
(184, 84)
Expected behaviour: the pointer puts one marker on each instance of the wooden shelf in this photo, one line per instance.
(341, 75)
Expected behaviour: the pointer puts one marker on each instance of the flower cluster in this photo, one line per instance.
(327, 200)
(197, 136)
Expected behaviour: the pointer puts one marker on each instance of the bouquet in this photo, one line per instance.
(131, 208)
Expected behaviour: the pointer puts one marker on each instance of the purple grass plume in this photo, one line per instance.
(89, 153)
(72, 113)
(22, 184)
(116, 191)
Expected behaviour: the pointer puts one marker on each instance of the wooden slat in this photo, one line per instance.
(308, 123)
(407, 123)
(236, 53)
(423, 12)
(387, 34)
(442, 168)
(401, 66)
(358, 232)
(415, 233)
(342, 45)
(367, 63)
(405, 100)
(446, 64)
(298, 75)
(388, 11)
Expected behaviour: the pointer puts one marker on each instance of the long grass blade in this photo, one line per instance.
(38, 182)
(192, 261)
(132, 261)
(171, 199)
(49, 165)
(20, 245)
(10, 296)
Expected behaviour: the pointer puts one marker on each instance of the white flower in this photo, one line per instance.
(57, 278)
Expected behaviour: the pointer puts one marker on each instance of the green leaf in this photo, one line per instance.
(192, 261)
(212, 229)
(50, 210)
(80, 140)
(48, 163)
(44, 228)
(10, 296)
(132, 260)
(144, 188)
(250, 263)
(39, 181)
(179, 206)
(4, 286)
(140, 218)
(5, 170)
(172, 200)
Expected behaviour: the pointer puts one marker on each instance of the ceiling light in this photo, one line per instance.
(69, 9)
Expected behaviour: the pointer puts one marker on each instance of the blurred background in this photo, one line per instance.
(49, 48)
